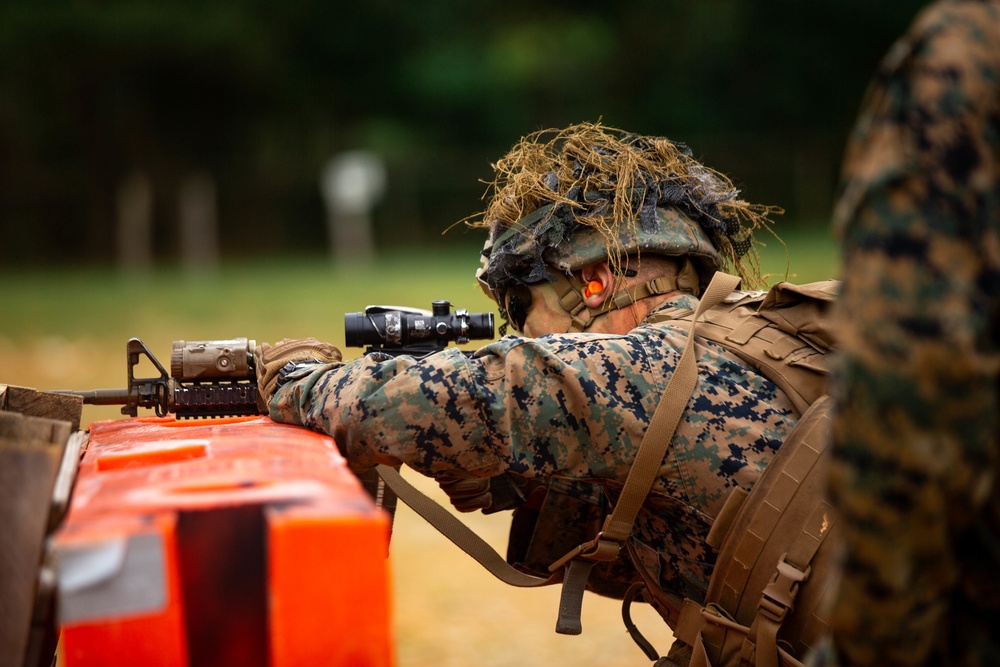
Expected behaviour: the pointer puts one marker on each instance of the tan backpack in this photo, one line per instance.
(783, 332)
(765, 597)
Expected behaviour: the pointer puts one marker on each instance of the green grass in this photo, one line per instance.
(286, 297)
(67, 328)
(271, 298)
(807, 254)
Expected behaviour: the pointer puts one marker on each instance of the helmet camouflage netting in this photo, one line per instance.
(566, 198)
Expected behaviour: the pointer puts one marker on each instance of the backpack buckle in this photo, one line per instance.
(597, 549)
(778, 596)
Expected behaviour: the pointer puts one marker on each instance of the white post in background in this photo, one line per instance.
(351, 184)
(199, 227)
(135, 223)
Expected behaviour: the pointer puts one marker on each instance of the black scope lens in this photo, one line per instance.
(390, 328)
(357, 329)
(480, 326)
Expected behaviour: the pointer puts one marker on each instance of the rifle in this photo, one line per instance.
(217, 378)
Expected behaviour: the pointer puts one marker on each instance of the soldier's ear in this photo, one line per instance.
(598, 284)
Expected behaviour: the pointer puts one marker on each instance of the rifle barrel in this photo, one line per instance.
(100, 396)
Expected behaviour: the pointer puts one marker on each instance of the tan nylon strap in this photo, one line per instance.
(744, 331)
(571, 300)
(461, 535)
(576, 574)
(720, 527)
(570, 295)
(629, 295)
(663, 424)
(689, 622)
(778, 597)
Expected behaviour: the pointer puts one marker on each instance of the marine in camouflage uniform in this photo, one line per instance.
(568, 410)
(916, 455)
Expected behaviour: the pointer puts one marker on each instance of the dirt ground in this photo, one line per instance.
(450, 612)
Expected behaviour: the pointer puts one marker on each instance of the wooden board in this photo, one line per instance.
(34, 403)
(31, 449)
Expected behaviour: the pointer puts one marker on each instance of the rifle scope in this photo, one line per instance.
(392, 328)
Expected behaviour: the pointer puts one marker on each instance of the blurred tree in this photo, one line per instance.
(96, 92)
(262, 94)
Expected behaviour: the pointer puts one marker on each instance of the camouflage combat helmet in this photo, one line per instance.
(564, 199)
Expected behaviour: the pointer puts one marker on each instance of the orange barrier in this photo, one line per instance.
(221, 542)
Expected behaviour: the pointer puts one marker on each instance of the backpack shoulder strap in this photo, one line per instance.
(659, 434)
(644, 470)
(460, 534)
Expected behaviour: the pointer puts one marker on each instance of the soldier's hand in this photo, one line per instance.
(467, 495)
(270, 359)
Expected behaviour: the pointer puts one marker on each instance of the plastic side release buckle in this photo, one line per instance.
(598, 549)
(778, 596)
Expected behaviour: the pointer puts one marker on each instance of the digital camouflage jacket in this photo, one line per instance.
(570, 407)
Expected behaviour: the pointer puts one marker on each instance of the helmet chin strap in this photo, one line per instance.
(570, 290)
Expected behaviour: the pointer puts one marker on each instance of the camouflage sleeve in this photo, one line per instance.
(394, 410)
(574, 405)
(531, 406)
(915, 440)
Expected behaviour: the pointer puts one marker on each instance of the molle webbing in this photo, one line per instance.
(774, 567)
(785, 334)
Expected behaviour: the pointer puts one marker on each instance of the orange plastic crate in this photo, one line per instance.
(221, 542)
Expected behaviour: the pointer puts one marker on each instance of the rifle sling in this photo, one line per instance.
(460, 535)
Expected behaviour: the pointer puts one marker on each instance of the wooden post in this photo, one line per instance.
(33, 454)
(135, 223)
(198, 223)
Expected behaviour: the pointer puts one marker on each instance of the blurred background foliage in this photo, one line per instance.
(260, 95)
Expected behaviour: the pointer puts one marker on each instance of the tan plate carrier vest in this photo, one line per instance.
(766, 596)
